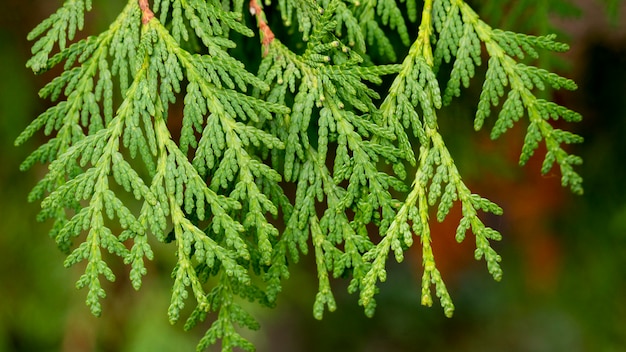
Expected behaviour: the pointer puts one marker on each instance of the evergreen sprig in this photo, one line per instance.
(121, 174)
(463, 32)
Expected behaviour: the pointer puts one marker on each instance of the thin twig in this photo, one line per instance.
(266, 33)
(146, 13)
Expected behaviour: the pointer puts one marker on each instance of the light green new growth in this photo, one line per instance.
(369, 166)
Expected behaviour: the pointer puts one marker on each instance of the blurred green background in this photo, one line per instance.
(564, 256)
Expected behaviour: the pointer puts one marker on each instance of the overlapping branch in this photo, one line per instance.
(312, 116)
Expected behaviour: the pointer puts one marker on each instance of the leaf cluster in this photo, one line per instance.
(369, 166)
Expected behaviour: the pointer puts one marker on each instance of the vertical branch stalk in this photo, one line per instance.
(266, 34)
(146, 13)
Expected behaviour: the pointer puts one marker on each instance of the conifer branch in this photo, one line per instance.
(311, 116)
(435, 168)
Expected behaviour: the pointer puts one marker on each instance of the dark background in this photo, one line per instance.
(564, 256)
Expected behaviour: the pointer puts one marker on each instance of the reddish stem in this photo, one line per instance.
(266, 33)
(146, 13)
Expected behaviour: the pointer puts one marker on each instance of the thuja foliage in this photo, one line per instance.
(256, 169)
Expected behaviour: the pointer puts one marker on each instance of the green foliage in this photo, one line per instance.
(319, 120)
